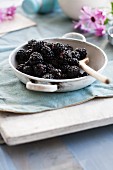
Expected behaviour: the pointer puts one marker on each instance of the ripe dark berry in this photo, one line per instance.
(29, 52)
(30, 43)
(28, 70)
(57, 73)
(82, 52)
(48, 76)
(65, 56)
(21, 56)
(20, 67)
(27, 63)
(35, 58)
(73, 61)
(55, 63)
(84, 74)
(50, 68)
(64, 76)
(64, 68)
(73, 71)
(76, 55)
(47, 53)
(37, 46)
(58, 48)
(68, 47)
(39, 70)
(50, 45)
(50, 60)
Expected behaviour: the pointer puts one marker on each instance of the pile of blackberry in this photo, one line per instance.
(50, 60)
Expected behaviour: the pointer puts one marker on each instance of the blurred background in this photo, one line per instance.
(10, 2)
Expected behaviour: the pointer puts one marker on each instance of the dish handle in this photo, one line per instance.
(41, 87)
(74, 35)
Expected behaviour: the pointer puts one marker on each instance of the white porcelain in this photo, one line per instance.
(97, 61)
(74, 35)
(110, 34)
(72, 7)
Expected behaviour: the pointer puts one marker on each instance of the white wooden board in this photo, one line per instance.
(17, 129)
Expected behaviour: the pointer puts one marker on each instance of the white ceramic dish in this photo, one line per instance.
(72, 7)
(97, 61)
(110, 34)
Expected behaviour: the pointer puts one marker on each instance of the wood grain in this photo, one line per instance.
(17, 129)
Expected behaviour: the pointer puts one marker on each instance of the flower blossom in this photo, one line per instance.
(7, 13)
(92, 20)
(1, 16)
(10, 12)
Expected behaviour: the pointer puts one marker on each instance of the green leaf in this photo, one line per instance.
(106, 21)
(112, 7)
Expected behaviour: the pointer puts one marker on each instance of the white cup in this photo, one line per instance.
(72, 7)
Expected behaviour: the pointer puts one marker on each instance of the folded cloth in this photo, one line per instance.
(14, 97)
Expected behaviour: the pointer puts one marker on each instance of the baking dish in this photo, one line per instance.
(97, 61)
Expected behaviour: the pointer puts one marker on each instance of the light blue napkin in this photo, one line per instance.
(14, 97)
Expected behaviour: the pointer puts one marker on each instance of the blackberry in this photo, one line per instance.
(28, 70)
(37, 46)
(64, 68)
(58, 48)
(68, 47)
(35, 58)
(50, 68)
(39, 70)
(21, 56)
(73, 71)
(82, 52)
(65, 56)
(64, 76)
(57, 73)
(73, 61)
(48, 76)
(27, 63)
(50, 45)
(76, 55)
(50, 60)
(60, 63)
(47, 53)
(29, 52)
(30, 43)
(83, 74)
(55, 63)
(20, 67)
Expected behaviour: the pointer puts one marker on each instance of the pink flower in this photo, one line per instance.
(10, 12)
(100, 31)
(7, 13)
(92, 20)
(1, 16)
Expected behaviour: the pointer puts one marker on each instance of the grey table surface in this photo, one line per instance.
(88, 150)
